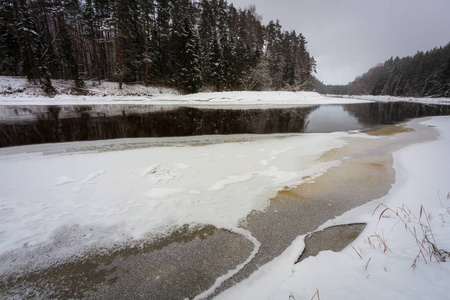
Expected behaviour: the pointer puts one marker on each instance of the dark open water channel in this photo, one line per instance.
(22, 125)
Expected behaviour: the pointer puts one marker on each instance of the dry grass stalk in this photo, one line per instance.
(316, 294)
(425, 240)
(367, 264)
(356, 251)
(381, 242)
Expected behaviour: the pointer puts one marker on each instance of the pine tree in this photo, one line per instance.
(190, 75)
(289, 60)
(207, 20)
(228, 62)
(68, 55)
(10, 46)
(28, 37)
(130, 41)
(215, 65)
(274, 54)
(33, 45)
(163, 59)
(148, 24)
(66, 46)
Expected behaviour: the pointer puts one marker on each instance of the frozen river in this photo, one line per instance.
(182, 217)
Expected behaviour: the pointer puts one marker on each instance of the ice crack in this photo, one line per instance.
(231, 273)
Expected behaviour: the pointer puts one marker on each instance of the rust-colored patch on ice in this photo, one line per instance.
(388, 130)
(292, 194)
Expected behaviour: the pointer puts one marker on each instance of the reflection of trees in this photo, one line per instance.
(193, 121)
(58, 124)
(391, 112)
(31, 125)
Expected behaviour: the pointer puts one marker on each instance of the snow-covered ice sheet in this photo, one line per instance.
(147, 191)
(422, 178)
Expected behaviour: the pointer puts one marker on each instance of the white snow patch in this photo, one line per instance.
(220, 185)
(161, 193)
(92, 176)
(149, 170)
(63, 180)
(182, 166)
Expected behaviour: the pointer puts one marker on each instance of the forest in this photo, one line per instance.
(184, 44)
(426, 74)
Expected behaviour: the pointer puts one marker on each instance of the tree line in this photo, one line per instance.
(322, 88)
(426, 74)
(180, 43)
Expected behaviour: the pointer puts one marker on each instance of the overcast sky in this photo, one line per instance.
(347, 37)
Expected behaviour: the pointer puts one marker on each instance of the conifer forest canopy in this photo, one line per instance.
(426, 74)
(180, 43)
(422, 75)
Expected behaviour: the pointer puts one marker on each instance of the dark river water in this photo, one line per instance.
(22, 125)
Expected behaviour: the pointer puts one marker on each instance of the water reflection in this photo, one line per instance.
(20, 125)
(391, 112)
(63, 124)
(328, 118)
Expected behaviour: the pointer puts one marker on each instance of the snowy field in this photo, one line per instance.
(368, 269)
